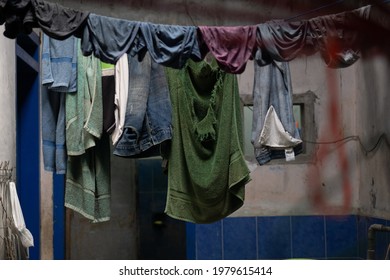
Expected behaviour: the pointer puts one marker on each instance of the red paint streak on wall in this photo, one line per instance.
(333, 131)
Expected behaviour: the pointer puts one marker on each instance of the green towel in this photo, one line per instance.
(207, 172)
(87, 188)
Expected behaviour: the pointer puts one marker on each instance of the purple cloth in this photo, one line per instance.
(336, 37)
(282, 41)
(231, 46)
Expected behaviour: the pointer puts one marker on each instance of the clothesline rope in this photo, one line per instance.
(314, 10)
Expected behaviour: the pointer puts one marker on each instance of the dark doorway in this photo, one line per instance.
(160, 237)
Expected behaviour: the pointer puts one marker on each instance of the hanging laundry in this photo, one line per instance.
(18, 224)
(281, 40)
(121, 95)
(59, 64)
(231, 46)
(171, 45)
(87, 189)
(53, 131)
(15, 238)
(55, 20)
(148, 112)
(207, 172)
(109, 38)
(273, 134)
(59, 77)
(273, 90)
(17, 16)
(337, 37)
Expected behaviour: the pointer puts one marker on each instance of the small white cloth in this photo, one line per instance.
(18, 224)
(121, 95)
(273, 133)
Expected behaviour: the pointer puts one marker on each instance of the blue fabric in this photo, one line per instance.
(148, 111)
(59, 64)
(171, 45)
(272, 86)
(59, 76)
(53, 131)
(109, 38)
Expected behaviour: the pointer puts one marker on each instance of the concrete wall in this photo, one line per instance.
(7, 100)
(7, 111)
(372, 121)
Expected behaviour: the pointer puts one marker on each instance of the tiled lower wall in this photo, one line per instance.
(317, 237)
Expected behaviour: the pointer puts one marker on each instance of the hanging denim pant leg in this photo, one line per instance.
(139, 78)
(158, 119)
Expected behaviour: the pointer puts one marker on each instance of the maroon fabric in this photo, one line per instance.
(231, 46)
(337, 37)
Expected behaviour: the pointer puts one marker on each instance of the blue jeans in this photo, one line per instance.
(148, 112)
(272, 86)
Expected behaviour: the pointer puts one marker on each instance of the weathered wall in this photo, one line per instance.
(7, 110)
(372, 121)
(7, 100)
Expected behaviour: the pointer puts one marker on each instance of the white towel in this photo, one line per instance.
(273, 133)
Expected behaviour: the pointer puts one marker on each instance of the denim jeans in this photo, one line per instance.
(148, 111)
(272, 86)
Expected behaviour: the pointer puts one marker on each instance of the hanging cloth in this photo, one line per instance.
(18, 223)
(279, 40)
(272, 87)
(87, 189)
(59, 77)
(273, 134)
(207, 172)
(121, 95)
(109, 38)
(171, 45)
(55, 20)
(148, 112)
(231, 46)
(337, 37)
